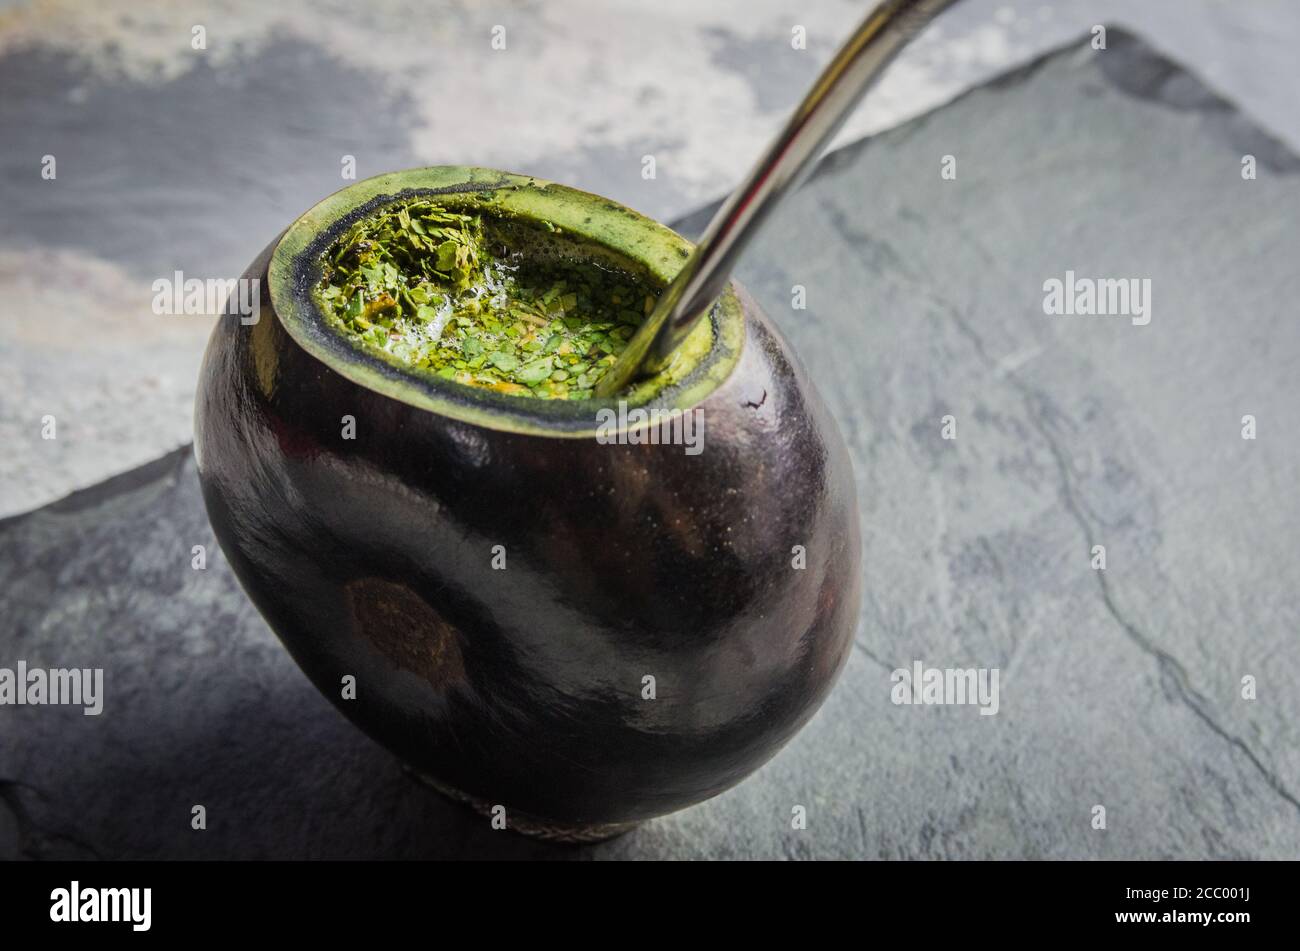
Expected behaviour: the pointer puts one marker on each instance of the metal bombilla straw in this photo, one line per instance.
(885, 31)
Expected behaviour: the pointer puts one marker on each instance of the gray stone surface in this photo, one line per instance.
(1119, 689)
(175, 158)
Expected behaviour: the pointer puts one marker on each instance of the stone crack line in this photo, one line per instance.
(858, 645)
(1169, 666)
(34, 839)
(1170, 669)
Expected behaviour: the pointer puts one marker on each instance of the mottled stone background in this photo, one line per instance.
(171, 158)
(1119, 688)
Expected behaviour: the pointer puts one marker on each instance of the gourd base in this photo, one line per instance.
(546, 830)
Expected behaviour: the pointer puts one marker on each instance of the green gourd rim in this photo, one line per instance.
(704, 360)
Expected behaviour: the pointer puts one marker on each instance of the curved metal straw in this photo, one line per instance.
(885, 31)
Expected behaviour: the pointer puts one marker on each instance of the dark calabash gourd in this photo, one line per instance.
(588, 632)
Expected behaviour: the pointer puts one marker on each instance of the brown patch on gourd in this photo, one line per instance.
(406, 630)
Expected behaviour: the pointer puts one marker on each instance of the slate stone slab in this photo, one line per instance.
(1120, 688)
(175, 158)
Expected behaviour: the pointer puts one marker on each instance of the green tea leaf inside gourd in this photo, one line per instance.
(447, 293)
